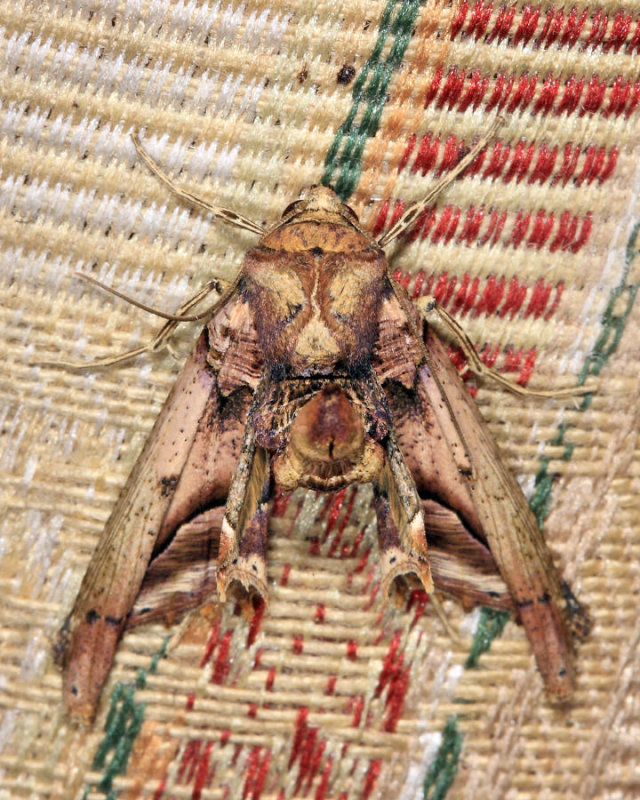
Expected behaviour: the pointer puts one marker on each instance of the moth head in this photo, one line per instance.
(321, 204)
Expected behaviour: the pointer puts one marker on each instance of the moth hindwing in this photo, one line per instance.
(314, 370)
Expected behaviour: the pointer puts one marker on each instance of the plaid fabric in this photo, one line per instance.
(534, 250)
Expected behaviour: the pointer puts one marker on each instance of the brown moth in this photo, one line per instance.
(315, 370)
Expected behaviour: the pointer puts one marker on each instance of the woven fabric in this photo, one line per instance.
(328, 694)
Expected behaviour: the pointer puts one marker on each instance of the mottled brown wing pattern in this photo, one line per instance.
(183, 473)
(461, 562)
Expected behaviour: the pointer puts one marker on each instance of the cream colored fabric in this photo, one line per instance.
(331, 695)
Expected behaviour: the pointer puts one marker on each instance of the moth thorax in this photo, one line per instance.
(316, 344)
(328, 447)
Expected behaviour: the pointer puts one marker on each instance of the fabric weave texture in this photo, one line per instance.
(534, 250)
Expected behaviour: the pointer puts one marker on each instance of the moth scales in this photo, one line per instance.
(316, 370)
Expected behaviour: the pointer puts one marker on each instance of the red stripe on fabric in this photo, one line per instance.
(394, 655)
(323, 784)
(331, 685)
(237, 751)
(634, 44)
(484, 227)
(191, 763)
(418, 600)
(540, 94)
(352, 551)
(337, 500)
(514, 361)
(211, 644)
(356, 706)
(202, 772)
(490, 297)
(256, 621)
(256, 771)
(270, 680)
(299, 734)
(157, 795)
(343, 523)
(223, 661)
(280, 504)
(188, 760)
(544, 27)
(371, 778)
(308, 750)
(373, 588)
(536, 162)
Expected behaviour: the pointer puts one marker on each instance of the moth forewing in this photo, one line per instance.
(513, 536)
(484, 543)
(170, 481)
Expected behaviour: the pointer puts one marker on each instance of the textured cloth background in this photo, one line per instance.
(329, 695)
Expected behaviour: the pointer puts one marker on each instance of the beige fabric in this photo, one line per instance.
(332, 695)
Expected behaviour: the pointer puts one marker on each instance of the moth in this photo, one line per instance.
(316, 370)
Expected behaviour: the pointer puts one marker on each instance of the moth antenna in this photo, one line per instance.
(225, 214)
(149, 309)
(435, 315)
(412, 213)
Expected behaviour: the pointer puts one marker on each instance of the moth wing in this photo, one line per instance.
(185, 466)
(475, 513)
(182, 576)
(461, 563)
(514, 538)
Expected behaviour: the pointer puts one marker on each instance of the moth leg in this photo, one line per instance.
(224, 214)
(159, 341)
(216, 285)
(401, 533)
(579, 620)
(436, 316)
(451, 632)
(243, 539)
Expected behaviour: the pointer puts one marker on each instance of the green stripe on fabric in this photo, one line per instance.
(122, 727)
(445, 764)
(490, 626)
(343, 163)
(613, 322)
